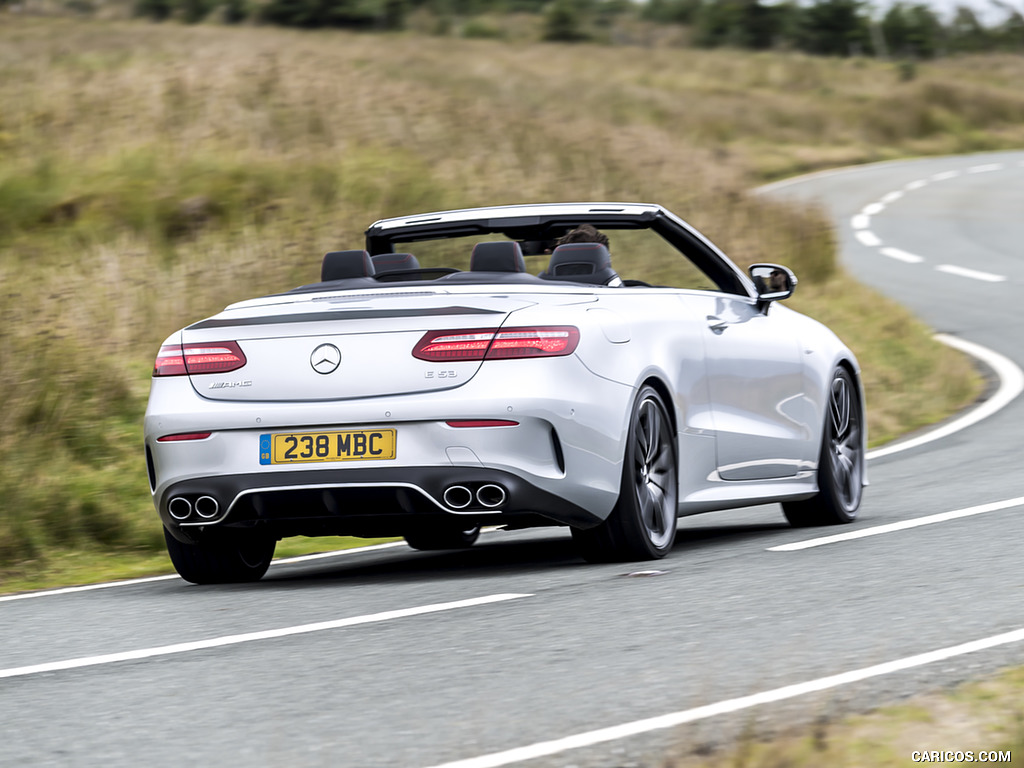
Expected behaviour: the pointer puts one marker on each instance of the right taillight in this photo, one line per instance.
(497, 343)
(191, 359)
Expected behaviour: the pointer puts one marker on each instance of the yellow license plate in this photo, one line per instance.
(347, 445)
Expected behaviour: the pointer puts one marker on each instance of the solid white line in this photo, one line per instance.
(613, 733)
(860, 221)
(86, 588)
(902, 525)
(988, 277)
(217, 642)
(985, 168)
(1011, 384)
(130, 582)
(868, 238)
(896, 253)
(337, 553)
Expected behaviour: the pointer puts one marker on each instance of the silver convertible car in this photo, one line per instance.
(490, 367)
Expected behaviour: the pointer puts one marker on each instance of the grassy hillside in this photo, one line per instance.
(151, 174)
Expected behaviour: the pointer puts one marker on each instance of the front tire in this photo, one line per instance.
(642, 526)
(841, 462)
(225, 560)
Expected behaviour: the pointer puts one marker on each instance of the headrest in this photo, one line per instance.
(498, 256)
(582, 263)
(339, 265)
(394, 262)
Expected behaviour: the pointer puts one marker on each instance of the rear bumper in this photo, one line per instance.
(361, 502)
(561, 463)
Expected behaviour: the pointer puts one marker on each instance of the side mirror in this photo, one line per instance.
(773, 282)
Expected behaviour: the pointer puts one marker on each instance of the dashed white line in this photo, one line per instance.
(892, 197)
(1011, 384)
(973, 274)
(902, 525)
(944, 175)
(872, 209)
(217, 642)
(896, 253)
(613, 733)
(987, 168)
(868, 238)
(916, 184)
(860, 221)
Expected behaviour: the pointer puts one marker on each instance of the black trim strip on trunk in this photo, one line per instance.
(361, 314)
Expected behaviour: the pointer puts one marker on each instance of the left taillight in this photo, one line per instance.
(191, 359)
(497, 343)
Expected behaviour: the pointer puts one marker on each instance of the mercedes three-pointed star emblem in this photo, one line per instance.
(325, 359)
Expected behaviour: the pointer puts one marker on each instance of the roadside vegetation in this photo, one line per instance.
(977, 717)
(151, 174)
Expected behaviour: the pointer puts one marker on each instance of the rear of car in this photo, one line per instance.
(381, 413)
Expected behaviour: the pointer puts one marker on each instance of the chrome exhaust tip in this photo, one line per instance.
(458, 496)
(179, 508)
(207, 507)
(491, 495)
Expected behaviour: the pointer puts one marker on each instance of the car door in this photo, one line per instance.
(756, 384)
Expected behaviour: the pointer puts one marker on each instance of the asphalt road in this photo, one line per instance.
(517, 653)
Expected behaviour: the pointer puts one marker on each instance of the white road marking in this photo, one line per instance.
(896, 253)
(872, 209)
(985, 168)
(671, 720)
(917, 184)
(146, 580)
(902, 525)
(218, 642)
(945, 175)
(860, 221)
(1011, 384)
(892, 197)
(337, 552)
(973, 274)
(868, 238)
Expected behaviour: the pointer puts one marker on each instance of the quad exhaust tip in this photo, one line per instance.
(490, 495)
(207, 507)
(458, 496)
(179, 508)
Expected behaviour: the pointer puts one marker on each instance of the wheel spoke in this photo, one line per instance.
(653, 431)
(654, 511)
(840, 408)
(648, 509)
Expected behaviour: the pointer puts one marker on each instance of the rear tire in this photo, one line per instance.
(642, 526)
(841, 462)
(237, 558)
(442, 538)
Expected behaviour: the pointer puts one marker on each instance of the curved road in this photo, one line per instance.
(517, 653)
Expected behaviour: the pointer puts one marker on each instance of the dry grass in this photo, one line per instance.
(150, 174)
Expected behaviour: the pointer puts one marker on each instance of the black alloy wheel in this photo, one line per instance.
(642, 525)
(841, 462)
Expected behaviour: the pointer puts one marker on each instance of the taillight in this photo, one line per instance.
(497, 343)
(182, 436)
(464, 423)
(181, 359)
